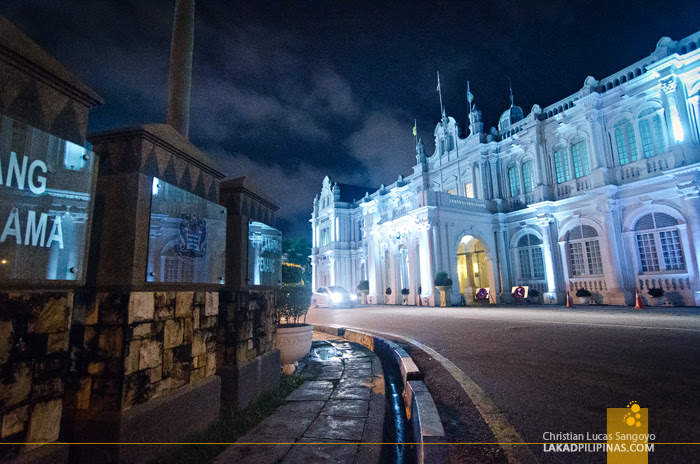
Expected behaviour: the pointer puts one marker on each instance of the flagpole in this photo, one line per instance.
(469, 102)
(442, 109)
(415, 130)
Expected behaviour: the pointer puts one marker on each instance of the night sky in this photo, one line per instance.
(288, 92)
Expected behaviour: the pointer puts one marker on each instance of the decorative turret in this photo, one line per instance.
(476, 126)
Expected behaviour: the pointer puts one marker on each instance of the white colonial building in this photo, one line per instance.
(599, 191)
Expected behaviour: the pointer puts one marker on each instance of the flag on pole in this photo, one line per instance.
(438, 87)
(415, 128)
(470, 96)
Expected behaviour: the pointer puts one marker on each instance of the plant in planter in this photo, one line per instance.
(363, 288)
(533, 294)
(657, 293)
(293, 337)
(444, 284)
(404, 293)
(388, 294)
(584, 296)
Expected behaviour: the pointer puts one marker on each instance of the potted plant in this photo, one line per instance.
(388, 294)
(444, 284)
(363, 288)
(533, 294)
(584, 296)
(293, 336)
(404, 293)
(658, 294)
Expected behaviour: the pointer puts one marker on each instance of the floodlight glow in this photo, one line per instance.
(156, 186)
(353, 297)
(336, 297)
(678, 134)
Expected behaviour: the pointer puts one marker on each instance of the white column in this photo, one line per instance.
(545, 221)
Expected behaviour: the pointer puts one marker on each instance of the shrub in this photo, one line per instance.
(388, 290)
(291, 273)
(441, 279)
(405, 291)
(363, 286)
(656, 292)
(293, 302)
(582, 293)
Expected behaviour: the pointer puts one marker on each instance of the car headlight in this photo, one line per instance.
(336, 297)
(353, 297)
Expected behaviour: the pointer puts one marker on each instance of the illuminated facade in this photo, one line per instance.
(600, 190)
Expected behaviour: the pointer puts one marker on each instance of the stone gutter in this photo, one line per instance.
(428, 433)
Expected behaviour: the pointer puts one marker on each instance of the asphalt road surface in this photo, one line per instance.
(551, 369)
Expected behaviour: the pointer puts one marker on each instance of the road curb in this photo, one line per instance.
(421, 411)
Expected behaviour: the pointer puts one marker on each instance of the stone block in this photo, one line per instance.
(150, 355)
(44, 423)
(198, 344)
(137, 389)
(189, 330)
(199, 298)
(131, 360)
(195, 318)
(14, 421)
(141, 306)
(89, 336)
(113, 307)
(57, 342)
(5, 340)
(47, 390)
(155, 374)
(173, 334)
(54, 316)
(211, 363)
(161, 388)
(183, 305)
(142, 330)
(197, 375)
(83, 394)
(211, 305)
(110, 341)
(167, 362)
(17, 390)
(96, 368)
(195, 361)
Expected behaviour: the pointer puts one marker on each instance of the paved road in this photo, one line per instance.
(549, 369)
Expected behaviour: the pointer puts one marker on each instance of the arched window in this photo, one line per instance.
(528, 179)
(626, 142)
(651, 133)
(659, 231)
(530, 257)
(580, 155)
(584, 251)
(561, 164)
(514, 181)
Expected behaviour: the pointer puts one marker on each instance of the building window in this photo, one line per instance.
(179, 269)
(580, 155)
(626, 142)
(651, 133)
(325, 237)
(469, 190)
(561, 165)
(528, 181)
(584, 252)
(659, 231)
(530, 257)
(514, 181)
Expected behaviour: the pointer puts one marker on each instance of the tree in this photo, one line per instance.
(296, 250)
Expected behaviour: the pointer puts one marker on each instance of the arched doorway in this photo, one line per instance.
(472, 268)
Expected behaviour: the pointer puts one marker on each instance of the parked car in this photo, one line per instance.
(333, 297)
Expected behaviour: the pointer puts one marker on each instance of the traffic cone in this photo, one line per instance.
(638, 303)
(569, 303)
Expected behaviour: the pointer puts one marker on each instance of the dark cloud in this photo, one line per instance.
(288, 92)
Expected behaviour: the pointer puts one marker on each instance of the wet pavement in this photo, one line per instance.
(337, 415)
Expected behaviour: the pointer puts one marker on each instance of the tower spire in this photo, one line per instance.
(510, 84)
(442, 108)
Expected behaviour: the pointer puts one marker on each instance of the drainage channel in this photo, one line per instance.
(396, 427)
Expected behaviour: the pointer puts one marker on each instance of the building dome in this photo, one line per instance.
(509, 117)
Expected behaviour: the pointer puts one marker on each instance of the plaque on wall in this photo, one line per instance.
(187, 237)
(264, 254)
(46, 195)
